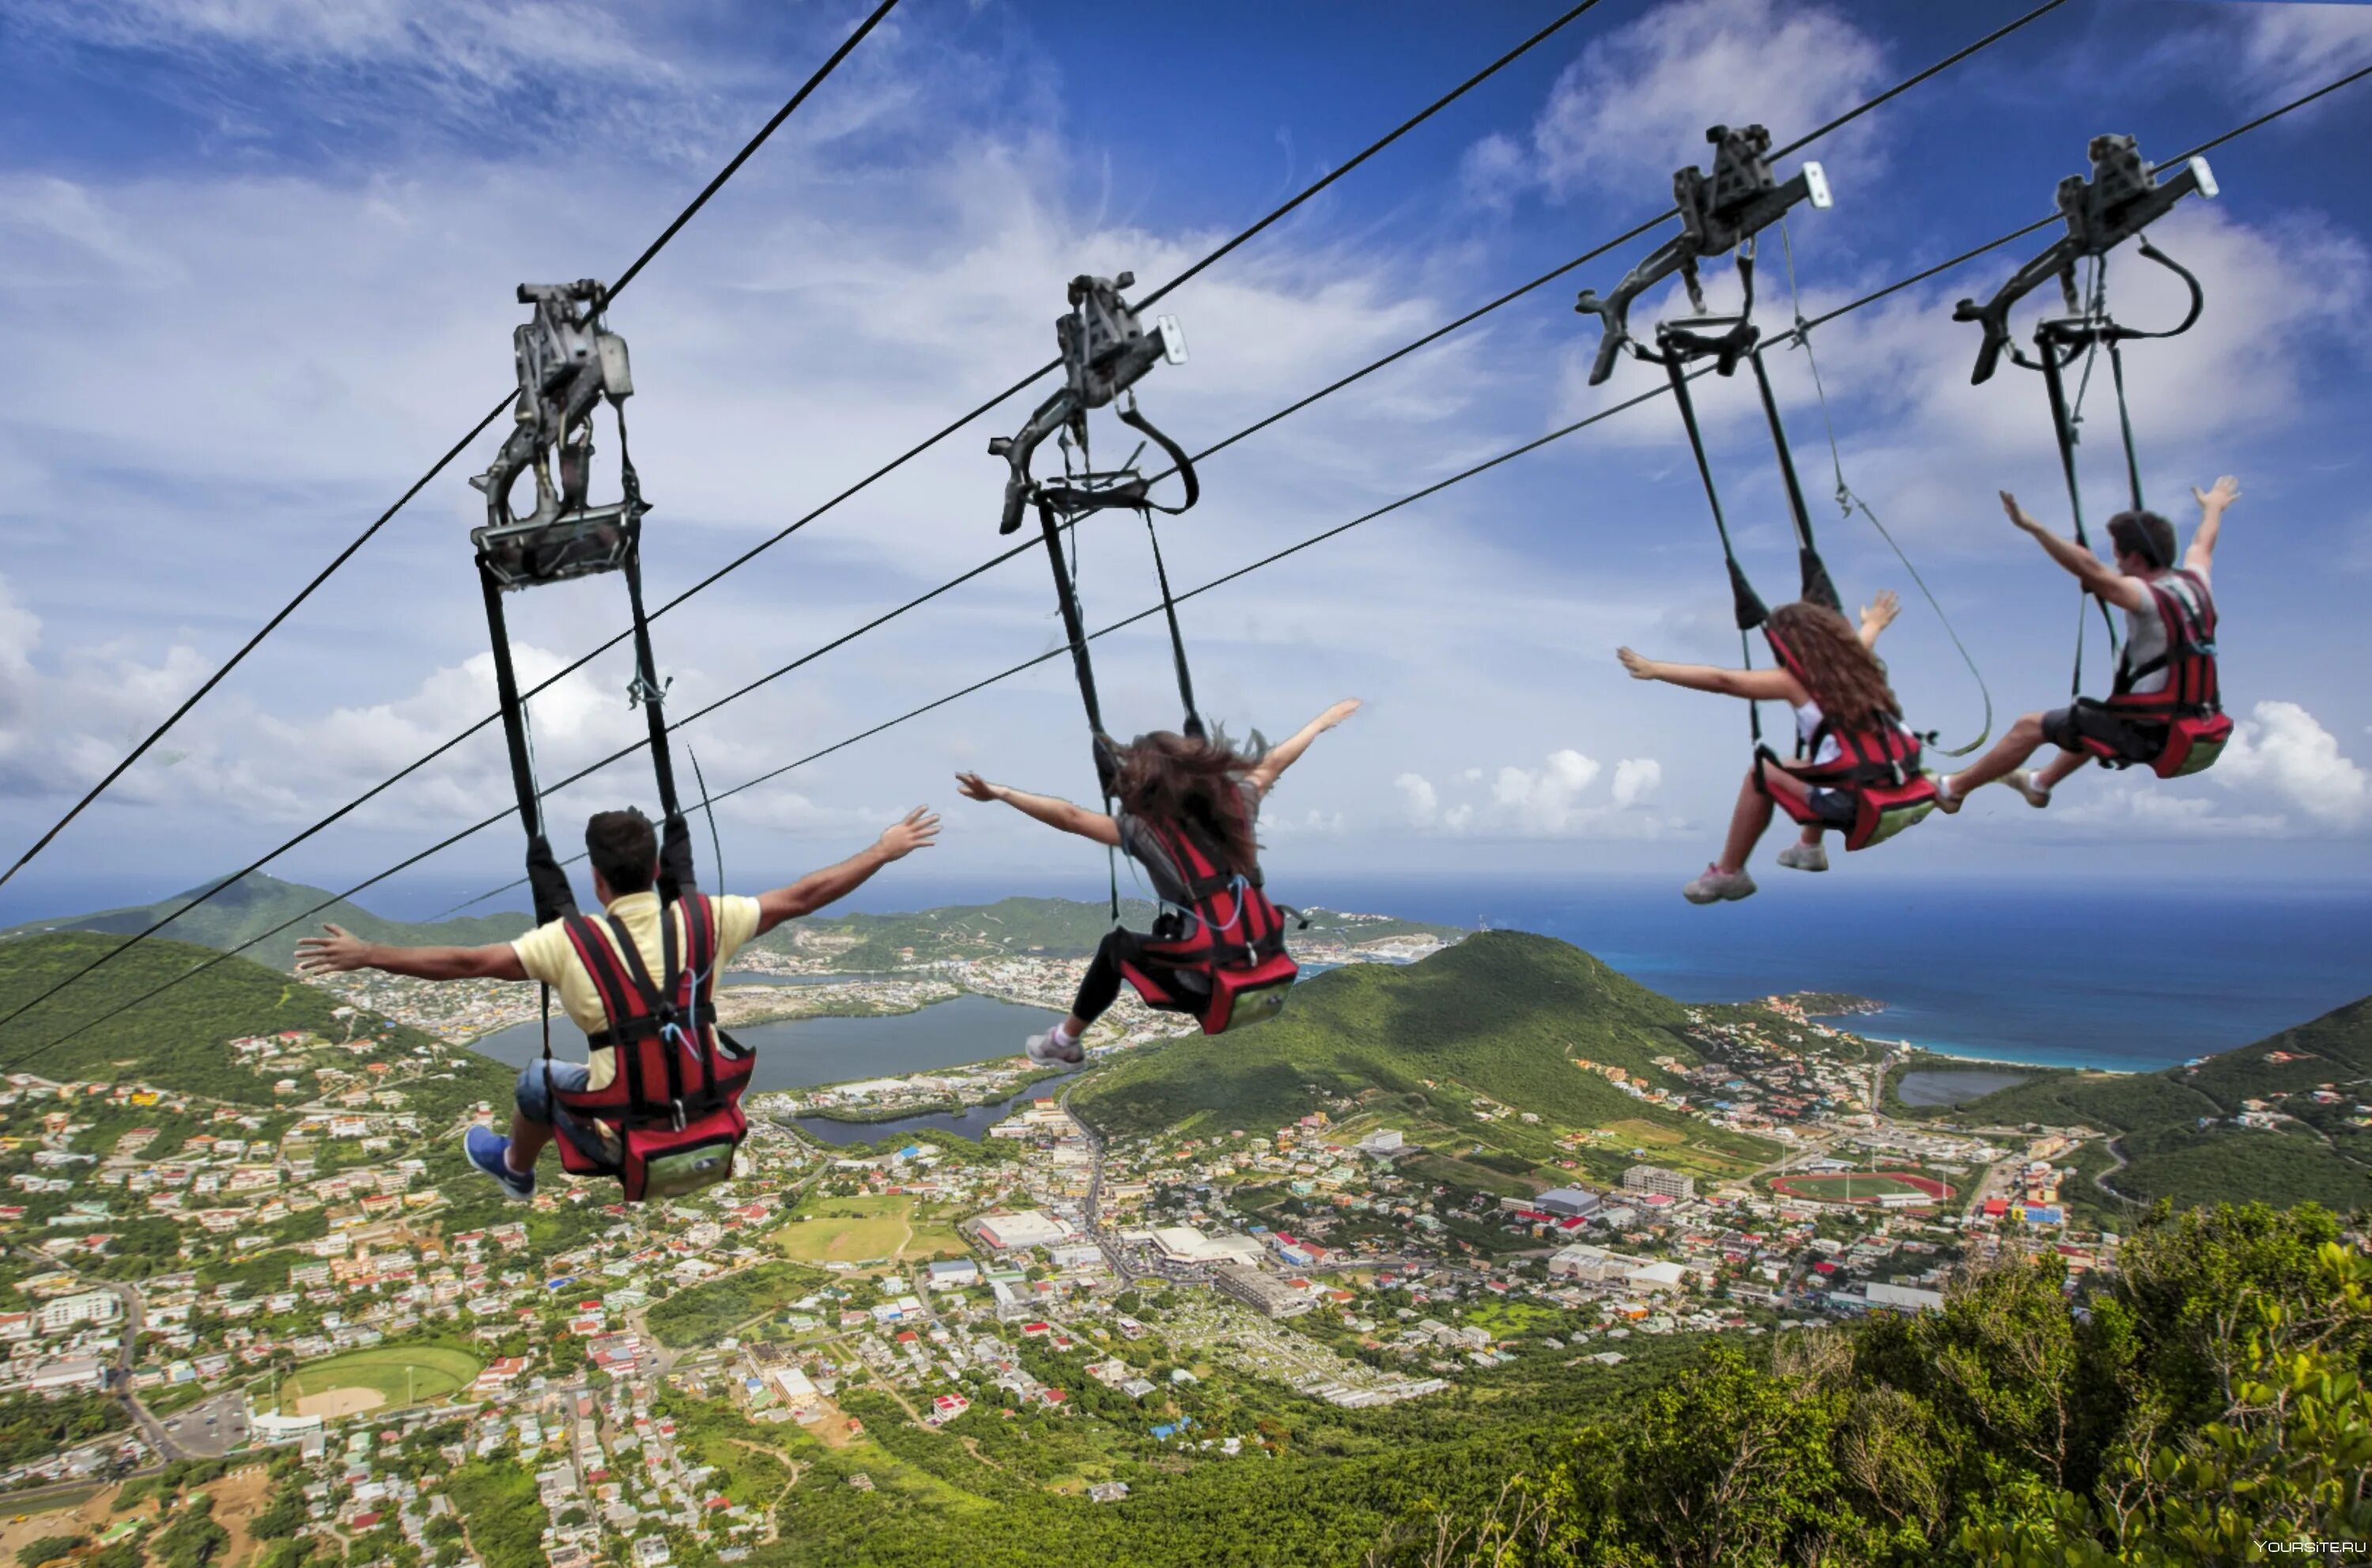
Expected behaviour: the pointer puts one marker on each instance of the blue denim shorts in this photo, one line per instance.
(536, 1105)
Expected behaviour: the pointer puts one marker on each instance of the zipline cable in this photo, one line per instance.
(1063, 650)
(644, 260)
(1899, 284)
(417, 485)
(1849, 502)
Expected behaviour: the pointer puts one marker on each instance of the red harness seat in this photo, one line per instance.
(669, 1119)
(1877, 767)
(1221, 961)
(2189, 706)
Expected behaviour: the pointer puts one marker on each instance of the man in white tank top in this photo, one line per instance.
(2143, 544)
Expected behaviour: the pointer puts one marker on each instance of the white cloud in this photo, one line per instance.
(1552, 801)
(1418, 799)
(1544, 802)
(1636, 778)
(2134, 809)
(2284, 45)
(2281, 749)
(1637, 103)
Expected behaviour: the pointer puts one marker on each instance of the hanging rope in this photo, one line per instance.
(1849, 502)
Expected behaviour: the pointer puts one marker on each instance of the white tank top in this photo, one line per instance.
(1808, 724)
(2146, 633)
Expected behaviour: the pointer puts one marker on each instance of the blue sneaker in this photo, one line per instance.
(486, 1148)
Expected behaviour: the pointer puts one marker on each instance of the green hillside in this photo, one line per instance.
(177, 1041)
(1058, 927)
(2319, 1153)
(1503, 1014)
(255, 904)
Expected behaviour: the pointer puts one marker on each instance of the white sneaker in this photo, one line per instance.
(1046, 1050)
(2023, 782)
(1946, 801)
(1801, 856)
(1716, 884)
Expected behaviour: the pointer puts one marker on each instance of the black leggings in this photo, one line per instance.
(1101, 989)
(1101, 986)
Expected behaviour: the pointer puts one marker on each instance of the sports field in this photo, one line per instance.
(1858, 1186)
(858, 1230)
(377, 1379)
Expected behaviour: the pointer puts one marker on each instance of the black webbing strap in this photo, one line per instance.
(2063, 425)
(676, 873)
(1818, 588)
(550, 884)
(1075, 627)
(2125, 423)
(1750, 609)
(1194, 729)
(1180, 463)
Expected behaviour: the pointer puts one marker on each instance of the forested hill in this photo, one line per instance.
(180, 1040)
(1504, 1014)
(255, 904)
(858, 943)
(1040, 927)
(2317, 1146)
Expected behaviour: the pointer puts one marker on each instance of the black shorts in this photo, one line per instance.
(1834, 807)
(2129, 740)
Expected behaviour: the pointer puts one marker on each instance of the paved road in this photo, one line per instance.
(207, 1430)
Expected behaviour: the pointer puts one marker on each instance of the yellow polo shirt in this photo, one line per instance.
(547, 955)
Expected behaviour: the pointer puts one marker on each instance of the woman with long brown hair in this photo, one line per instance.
(1835, 685)
(1160, 781)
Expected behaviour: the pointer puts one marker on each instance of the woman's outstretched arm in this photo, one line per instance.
(1264, 775)
(1050, 809)
(1760, 685)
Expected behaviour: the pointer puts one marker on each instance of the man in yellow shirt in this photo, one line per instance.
(624, 854)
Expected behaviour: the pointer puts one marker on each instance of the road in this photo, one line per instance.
(118, 1380)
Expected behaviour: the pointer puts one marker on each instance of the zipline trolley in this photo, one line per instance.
(669, 1119)
(2121, 198)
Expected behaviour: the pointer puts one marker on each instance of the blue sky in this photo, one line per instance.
(256, 259)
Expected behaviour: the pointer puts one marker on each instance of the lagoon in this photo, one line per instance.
(802, 1052)
(972, 1121)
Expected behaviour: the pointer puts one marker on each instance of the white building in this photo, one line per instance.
(1030, 1228)
(63, 1312)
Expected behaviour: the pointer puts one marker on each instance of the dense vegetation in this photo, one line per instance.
(2209, 1397)
(2317, 1156)
(706, 1312)
(34, 1428)
(500, 1511)
(256, 903)
(1502, 1013)
(176, 1041)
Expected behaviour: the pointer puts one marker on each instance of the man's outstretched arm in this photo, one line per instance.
(2201, 557)
(341, 950)
(2099, 579)
(818, 889)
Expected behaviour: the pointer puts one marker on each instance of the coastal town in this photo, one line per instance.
(318, 1282)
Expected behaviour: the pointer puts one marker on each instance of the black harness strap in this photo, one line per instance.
(2064, 427)
(1818, 588)
(1177, 640)
(1751, 611)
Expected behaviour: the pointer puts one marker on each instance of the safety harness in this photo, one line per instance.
(1221, 958)
(2121, 198)
(2190, 704)
(668, 1120)
(1879, 767)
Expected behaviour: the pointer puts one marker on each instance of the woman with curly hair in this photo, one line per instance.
(1836, 685)
(1163, 785)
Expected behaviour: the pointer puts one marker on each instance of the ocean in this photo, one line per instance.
(2081, 975)
(2039, 969)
